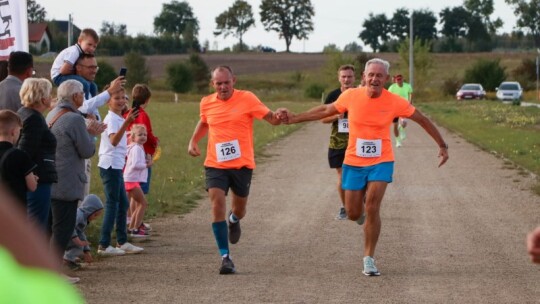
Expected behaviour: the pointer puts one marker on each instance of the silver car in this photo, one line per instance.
(509, 90)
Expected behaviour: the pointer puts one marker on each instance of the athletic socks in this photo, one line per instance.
(221, 233)
(233, 219)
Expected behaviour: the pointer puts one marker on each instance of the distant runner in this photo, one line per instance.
(404, 90)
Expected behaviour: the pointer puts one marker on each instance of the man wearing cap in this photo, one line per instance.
(403, 89)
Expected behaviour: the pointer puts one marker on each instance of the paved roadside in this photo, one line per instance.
(454, 234)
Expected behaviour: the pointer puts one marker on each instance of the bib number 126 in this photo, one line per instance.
(228, 150)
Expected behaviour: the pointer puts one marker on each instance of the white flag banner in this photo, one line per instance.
(13, 27)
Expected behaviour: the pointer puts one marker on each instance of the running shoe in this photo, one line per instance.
(71, 280)
(234, 230)
(369, 267)
(342, 215)
(129, 248)
(362, 219)
(110, 251)
(138, 233)
(227, 266)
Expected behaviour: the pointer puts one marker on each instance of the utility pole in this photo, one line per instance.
(411, 49)
(537, 73)
(70, 31)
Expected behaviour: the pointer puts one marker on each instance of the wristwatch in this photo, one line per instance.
(445, 146)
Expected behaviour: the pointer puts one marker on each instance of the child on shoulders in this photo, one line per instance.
(63, 67)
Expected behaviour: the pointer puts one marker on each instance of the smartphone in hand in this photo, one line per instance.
(123, 72)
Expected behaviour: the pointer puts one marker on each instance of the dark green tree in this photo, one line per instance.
(376, 31)
(528, 13)
(235, 21)
(424, 22)
(106, 73)
(399, 24)
(352, 47)
(454, 22)
(290, 18)
(36, 13)
(112, 29)
(138, 71)
(177, 20)
(483, 9)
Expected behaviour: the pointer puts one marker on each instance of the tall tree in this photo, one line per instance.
(375, 31)
(528, 13)
(112, 29)
(399, 24)
(177, 20)
(424, 22)
(454, 22)
(483, 9)
(290, 18)
(36, 13)
(235, 21)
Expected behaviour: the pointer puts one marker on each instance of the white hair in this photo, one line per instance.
(380, 61)
(68, 88)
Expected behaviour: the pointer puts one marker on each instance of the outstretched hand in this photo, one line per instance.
(284, 115)
(443, 154)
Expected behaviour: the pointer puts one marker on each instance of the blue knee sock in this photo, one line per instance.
(221, 233)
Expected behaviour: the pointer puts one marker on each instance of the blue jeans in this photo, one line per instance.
(38, 204)
(89, 87)
(116, 206)
(145, 187)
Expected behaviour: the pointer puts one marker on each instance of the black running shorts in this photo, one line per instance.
(238, 180)
(336, 157)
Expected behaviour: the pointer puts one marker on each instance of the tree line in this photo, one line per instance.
(466, 28)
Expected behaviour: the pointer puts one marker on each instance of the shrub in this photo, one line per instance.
(314, 90)
(138, 72)
(525, 74)
(106, 73)
(200, 72)
(179, 77)
(450, 85)
(489, 73)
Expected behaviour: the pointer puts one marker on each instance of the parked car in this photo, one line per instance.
(509, 90)
(471, 91)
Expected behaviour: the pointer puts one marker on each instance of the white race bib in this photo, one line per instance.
(368, 147)
(228, 150)
(343, 125)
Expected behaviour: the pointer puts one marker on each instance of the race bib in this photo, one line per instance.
(368, 147)
(228, 150)
(343, 125)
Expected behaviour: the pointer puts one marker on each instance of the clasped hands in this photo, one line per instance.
(284, 115)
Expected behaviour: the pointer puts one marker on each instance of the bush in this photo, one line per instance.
(106, 73)
(489, 73)
(314, 90)
(450, 86)
(525, 74)
(200, 72)
(138, 72)
(179, 77)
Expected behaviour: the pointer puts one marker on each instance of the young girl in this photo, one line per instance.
(112, 158)
(135, 172)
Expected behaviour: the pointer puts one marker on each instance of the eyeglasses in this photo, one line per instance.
(92, 67)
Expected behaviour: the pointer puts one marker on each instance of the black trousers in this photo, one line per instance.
(63, 218)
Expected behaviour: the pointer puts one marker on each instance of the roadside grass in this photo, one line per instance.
(177, 178)
(507, 131)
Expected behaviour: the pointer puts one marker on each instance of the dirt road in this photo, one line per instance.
(450, 235)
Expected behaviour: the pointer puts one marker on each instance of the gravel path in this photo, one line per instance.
(454, 234)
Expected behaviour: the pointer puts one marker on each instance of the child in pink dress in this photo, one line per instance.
(135, 172)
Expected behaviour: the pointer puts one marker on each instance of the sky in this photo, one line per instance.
(336, 22)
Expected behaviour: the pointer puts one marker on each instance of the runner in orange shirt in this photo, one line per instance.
(227, 117)
(369, 159)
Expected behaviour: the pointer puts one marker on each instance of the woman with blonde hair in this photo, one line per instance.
(38, 141)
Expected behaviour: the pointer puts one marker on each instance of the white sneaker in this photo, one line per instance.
(130, 248)
(71, 280)
(110, 251)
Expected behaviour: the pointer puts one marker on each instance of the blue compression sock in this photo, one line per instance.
(221, 233)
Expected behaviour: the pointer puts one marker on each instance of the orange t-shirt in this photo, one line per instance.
(230, 129)
(369, 125)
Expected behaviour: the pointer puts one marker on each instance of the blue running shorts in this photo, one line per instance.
(356, 178)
